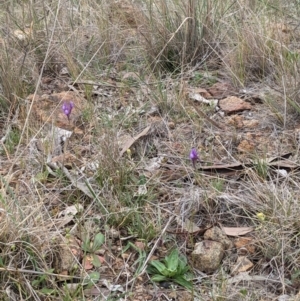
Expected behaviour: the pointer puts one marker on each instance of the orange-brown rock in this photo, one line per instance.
(233, 104)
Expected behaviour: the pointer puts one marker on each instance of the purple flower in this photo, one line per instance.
(194, 156)
(67, 108)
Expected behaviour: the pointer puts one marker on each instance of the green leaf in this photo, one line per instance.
(182, 266)
(172, 260)
(96, 261)
(159, 278)
(48, 291)
(183, 282)
(140, 262)
(35, 282)
(86, 245)
(151, 270)
(160, 267)
(98, 241)
(91, 278)
(50, 270)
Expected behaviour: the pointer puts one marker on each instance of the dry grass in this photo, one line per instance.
(130, 63)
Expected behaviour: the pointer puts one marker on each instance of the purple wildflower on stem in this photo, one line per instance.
(194, 156)
(67, 108)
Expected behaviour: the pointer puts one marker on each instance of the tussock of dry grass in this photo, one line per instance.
(142, 57)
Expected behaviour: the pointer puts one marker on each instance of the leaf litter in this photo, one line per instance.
(215, 167)
(226, 145)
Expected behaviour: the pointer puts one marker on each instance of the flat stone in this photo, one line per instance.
(233, 104)
(221, 90)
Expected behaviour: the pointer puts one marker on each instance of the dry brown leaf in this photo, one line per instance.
(187, 225)
(131, 140)
(87, 262)
(203, 92)
(223, 167)
(244, 276)
(66, 158)
(125, 255)
(245, 244)
(237, 231)
(140, 245)
(201, 114)
(101, 258)
(81, 185)
(22, 35)
(243, 264)
(71, 210)
(130, 75)
(200, 98)
(280, 157)
(284, 164)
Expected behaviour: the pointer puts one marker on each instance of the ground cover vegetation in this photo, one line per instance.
(134, 133)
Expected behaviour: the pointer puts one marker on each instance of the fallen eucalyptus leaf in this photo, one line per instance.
(237, 231)
(132, 140)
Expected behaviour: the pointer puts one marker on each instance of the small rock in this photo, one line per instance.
(140, 245)
(233, 104)
(217, 234)
(207, 255)
(221, 90)
(243, 264)
(282, 172)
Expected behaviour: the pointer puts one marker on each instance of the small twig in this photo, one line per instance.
(204, 116)
(7, 269)
(92, 83)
